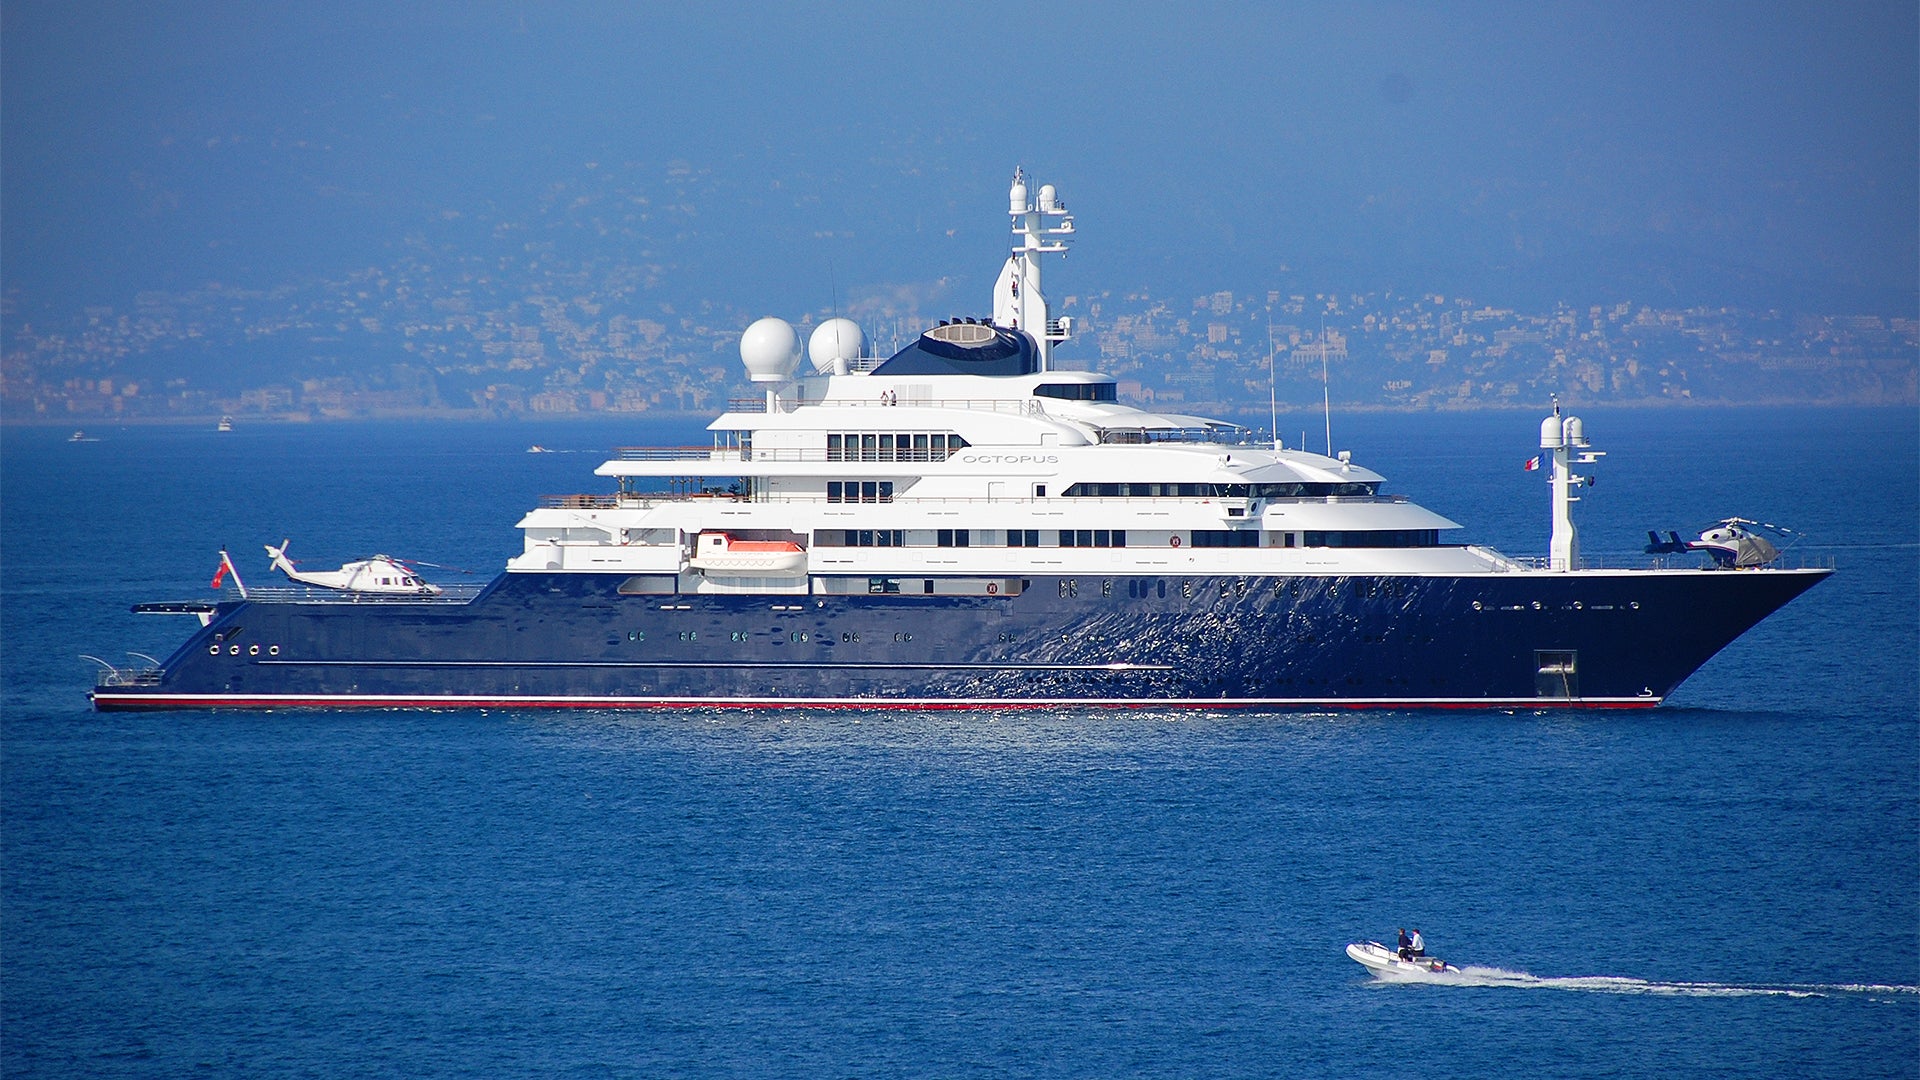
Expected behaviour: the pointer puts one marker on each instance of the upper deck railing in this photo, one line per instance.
(889, 399)
(641, 500)
(735, 455)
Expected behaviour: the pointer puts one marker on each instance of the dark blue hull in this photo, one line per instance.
(1516, 639)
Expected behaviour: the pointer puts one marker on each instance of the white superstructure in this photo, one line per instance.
(916, 465)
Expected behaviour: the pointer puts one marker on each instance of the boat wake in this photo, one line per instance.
(1608, 984)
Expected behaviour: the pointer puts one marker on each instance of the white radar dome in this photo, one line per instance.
(1552, 437)
(834, 343)
(771, 350)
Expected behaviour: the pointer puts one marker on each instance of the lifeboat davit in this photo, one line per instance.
(720, 553)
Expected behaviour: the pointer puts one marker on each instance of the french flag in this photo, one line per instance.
(1533, 464)
(226, 567)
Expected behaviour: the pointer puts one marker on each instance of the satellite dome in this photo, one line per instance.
(771, 350)
(834, 343)
(1552, 434)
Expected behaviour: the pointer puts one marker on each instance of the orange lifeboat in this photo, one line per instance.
(720, 553)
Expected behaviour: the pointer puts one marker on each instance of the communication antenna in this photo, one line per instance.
(1273, 399)
(1326, 391)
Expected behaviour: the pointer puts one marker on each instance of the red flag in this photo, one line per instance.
(221, 574)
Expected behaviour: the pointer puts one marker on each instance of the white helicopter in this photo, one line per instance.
(1732, 543)
(379, 574)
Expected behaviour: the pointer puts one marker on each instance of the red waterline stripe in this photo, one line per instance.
(183, 701)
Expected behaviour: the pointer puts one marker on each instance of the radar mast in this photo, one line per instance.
(1041, 225)
(1566, 439)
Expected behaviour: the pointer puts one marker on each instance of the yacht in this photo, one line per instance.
(963, 524)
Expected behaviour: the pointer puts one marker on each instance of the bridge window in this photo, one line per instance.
(953, 537)
(1078, 391)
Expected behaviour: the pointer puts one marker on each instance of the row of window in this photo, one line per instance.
(1227, 538)
(1217, 491)
(860, 491)
(1137, 588)
(1078, 391)
(893, 446)
(1117, 538)
(1373, 538)
(860, 538)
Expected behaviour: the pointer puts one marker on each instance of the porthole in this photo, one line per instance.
(233, 650)
(273, 650)
(1537, 605)
(1635, 605)
(213, 650)
(1477, 605)
(253, 650)
(796, 635)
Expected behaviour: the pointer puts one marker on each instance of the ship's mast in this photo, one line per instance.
(1566, 438)
(1041, 225)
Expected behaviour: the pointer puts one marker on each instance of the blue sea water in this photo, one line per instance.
(1727, 886)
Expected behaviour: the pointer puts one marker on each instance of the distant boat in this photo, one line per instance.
(226, 424)
(81, 436)
(536, 448)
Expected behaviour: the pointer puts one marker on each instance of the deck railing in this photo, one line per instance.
(644, 499)
(458, 593)
(119, 678)
(736, 455)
